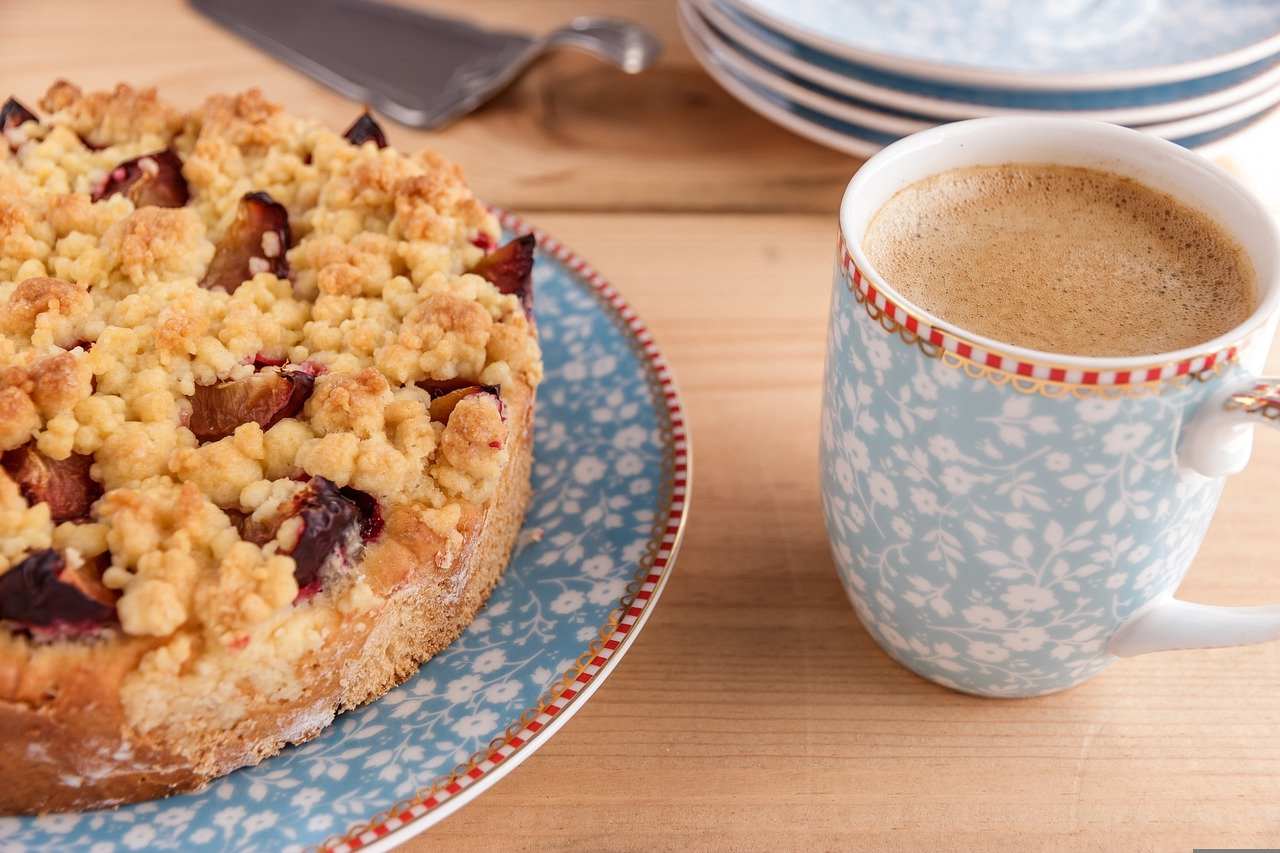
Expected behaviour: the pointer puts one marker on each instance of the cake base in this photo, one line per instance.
(74, 750)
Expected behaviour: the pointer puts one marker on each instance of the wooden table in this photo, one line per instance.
(754, 712)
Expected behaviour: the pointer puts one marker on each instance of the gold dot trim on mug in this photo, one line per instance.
(1023, 377)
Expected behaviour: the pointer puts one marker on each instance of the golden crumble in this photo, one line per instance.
(214, 323)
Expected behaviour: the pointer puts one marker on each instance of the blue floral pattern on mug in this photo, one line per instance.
(601, 475)
(990, 539)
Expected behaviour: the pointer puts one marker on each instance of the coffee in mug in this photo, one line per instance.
(1064, 259)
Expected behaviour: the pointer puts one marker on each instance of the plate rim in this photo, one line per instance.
(1254, 105)
(1026, 80)
(851, 145)
(870, 117)
(535, 726)
(959, 110)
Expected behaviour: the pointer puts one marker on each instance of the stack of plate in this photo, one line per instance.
(858, 74)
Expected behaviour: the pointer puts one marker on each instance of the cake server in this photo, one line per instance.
(419, 68)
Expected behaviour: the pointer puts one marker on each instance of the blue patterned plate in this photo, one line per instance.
(611, 479)
(1135, 105)
(865, 138)
(711, 45)
(1065, 44)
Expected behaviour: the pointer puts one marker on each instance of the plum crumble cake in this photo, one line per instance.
(266, 404)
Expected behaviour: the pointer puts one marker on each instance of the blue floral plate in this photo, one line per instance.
(1065, 44)
(865, 137)
(1139, 104)
(611, 479)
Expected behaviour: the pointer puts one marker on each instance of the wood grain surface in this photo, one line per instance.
(753, 713)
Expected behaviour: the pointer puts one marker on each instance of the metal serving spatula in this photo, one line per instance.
(421, 69)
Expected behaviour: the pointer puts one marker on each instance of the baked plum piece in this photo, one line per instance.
(256, 242)
(48, 597)
(365, 129)
(335, 525)
(150, 180)
(12, 116)
(63, 484)
(264, 398)
(446, 395)
(510, 269)
(440, 387)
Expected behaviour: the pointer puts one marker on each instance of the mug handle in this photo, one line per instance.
(1216, 443)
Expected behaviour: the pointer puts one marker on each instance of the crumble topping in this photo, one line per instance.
(120, 332)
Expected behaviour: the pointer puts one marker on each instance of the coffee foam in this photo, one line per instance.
(1062, 259)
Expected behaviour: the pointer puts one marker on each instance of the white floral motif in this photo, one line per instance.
(878, 354)
(895, 639)
(307, 797)
(631, 438)
(945, 448)
(1057, 461)
(1026, 639)
(925, 501)
(856, 452)
(462, 689)
(986, 617)
(1124, 438)
(959, 481)
(1027, 597)
(489, 661)
(1097, 410)
(139, 836)
(844, 474)
(567, 602)
(502, 692)
(598, 567)
(588, 470)
(882, 490)
(606, 591)
(925, 386)
(629, 465)
(475, 725)
(987, 652)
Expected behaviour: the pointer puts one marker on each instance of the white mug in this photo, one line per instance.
(1008, 522)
